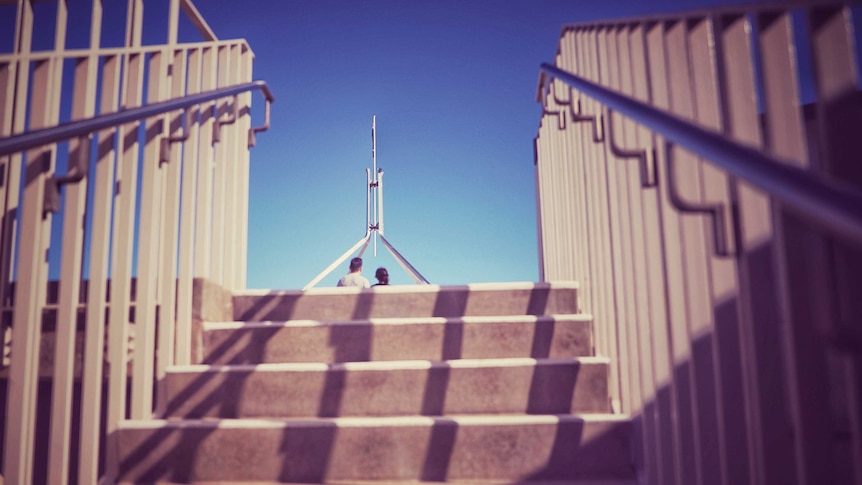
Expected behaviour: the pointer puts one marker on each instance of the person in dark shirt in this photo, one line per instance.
(382, 276)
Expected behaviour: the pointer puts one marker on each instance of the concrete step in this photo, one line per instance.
(417, 482)
(406, 301)
(324, 450)
(398, 388)
(426, 338)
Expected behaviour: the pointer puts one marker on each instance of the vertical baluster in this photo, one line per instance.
(541, 203)
(550, 125)
(122, 238)
(578, 193)
(538, 164)
(551, 209)
(582, 145)
(644, 246)
(152, 186)
(571, 267)
(83, 106)
(7, 74)
(670, 341)
(204, 204)
(10, 90)
(32, 280)
(246, 59)
(97, 291)
(541, 196)
(617, 128)
(581, 131)
(170, 217)
(839, 114)
(568, 62)
(692, 177)
(170, 153)
(786, 138)
(607, 73)
(15, 455)
(625, 172)
(230, 162)
(222, 160)
(594, 62)
(540, 226)
(191, 163)
(767, 413)
(721, 274)
(553, 179)
(548, 122)
(608, 316)
(683, 284)
(694, 72)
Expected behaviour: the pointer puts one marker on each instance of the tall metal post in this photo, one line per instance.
(373, 185)
(367, 201)
(380, 201)
(373, 220)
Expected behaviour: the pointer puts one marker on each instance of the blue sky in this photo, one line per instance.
(452, 84)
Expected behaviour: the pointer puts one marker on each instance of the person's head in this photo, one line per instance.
(382, 276)
(355, 265)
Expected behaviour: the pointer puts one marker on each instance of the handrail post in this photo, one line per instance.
(254, 130)
(74, 174)
(219, 122)
(166, 141)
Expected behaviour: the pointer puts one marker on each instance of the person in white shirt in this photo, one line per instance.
(354, 277)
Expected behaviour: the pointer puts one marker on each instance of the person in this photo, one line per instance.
(382, 276)
(354, 277)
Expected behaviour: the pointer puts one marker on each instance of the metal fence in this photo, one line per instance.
(728, 299)
(148, 206)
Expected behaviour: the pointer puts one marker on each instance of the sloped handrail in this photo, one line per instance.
(73, 129)
(828, 204)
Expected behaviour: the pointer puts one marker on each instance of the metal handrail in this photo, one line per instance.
(826, 203)
(77, 128)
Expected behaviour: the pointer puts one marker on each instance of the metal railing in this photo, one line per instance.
(84, 128)
(700, 178)
(155, 202)
(836, 207)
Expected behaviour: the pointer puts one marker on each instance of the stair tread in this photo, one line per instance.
(510, 285)
(393, 339)
(359, 421)
(406, 301)
(387, 364)
(305, 322)
(505, 448)
(414, 482)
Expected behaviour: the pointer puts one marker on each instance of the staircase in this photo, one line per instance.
(495, 383)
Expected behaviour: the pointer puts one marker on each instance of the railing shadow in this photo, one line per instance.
(307, 449)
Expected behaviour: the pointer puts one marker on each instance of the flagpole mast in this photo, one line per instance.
(374, 184)
(373, 220)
